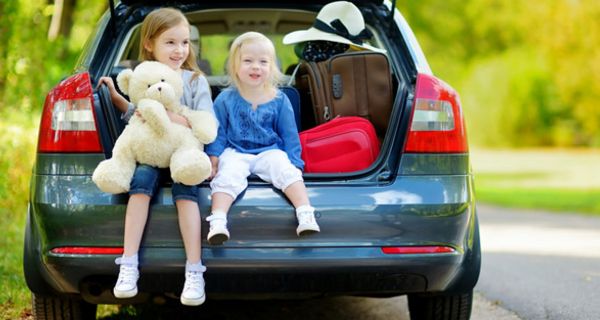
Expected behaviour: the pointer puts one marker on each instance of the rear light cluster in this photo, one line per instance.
(68, 120)
(87, 250)
(417, 250)
(437, 124)
(386, 250)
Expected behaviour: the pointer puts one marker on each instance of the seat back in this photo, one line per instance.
(294, 96)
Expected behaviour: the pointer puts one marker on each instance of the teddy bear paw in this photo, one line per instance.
(108, 180)
(190, 167)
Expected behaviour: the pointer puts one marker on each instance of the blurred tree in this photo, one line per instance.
(571, 40)
(6, 8)
(62, 19)
(30, 64)
(526, 70)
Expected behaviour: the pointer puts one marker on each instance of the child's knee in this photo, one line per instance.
(184, 192)
(228, 184)
(287, 177)
(145, 180)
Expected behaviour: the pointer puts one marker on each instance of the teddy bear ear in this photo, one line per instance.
(123, 80)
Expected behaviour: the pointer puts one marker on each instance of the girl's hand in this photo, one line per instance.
(108, 81)
(179, 119)
(214, 161)
(117, 99)
(138, 114)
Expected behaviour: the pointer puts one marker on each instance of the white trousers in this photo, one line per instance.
(272, 166)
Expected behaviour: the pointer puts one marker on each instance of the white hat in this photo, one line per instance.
(339, 21)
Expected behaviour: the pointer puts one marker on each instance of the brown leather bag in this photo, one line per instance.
(348, 84)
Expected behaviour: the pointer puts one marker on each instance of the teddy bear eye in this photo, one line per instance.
(149, 86)
(162, 80)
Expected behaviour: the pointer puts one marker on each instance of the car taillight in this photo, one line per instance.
(68, 120)
(417, 250)
(437, 124)
(87, 250)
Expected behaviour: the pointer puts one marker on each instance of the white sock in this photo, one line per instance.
(219, 214)
(197, 267)
(305, 208)
(128, 260)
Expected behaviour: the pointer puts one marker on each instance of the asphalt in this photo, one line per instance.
(541, 265)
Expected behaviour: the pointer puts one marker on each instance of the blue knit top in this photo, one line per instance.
(271, 126)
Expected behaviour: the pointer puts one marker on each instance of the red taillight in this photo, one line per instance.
(437, 124)
(417, 250)
(68, 120)
(87, 250)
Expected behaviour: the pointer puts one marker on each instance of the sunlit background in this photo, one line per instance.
(527, 72)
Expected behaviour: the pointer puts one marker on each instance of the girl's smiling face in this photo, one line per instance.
(171, 47)
(254, 65)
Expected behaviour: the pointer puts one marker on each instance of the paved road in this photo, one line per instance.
(541, 265)
(346, 308)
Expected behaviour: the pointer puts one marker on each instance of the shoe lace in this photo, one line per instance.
(193, 280)
(127, 274)
(306, 218)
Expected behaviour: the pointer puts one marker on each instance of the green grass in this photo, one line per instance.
(561, 200)
(555, 180)
(18, 134)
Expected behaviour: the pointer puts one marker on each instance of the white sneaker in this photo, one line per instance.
(193, 289)
(126, 286)
(306, 223)
(218, 233)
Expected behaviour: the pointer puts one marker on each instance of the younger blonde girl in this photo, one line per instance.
(257, 135)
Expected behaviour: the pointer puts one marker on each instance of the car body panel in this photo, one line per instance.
(74, 209)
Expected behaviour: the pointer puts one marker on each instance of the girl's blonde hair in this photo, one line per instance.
(233, 62)
(157, 22)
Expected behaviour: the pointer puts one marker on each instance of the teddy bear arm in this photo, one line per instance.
(203, 123)
(155, 115)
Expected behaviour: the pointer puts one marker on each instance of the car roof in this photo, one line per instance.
(257, 3)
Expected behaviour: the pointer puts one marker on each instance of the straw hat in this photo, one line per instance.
(339, 21)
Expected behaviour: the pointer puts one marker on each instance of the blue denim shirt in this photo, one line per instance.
(271, 126)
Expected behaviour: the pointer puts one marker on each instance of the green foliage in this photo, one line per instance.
(526, 70)
(516, 108)
(17, 150)
(29, 67)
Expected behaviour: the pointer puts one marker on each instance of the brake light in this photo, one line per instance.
(437, 124)
(87, 250)
(68, 120)
(417, 250)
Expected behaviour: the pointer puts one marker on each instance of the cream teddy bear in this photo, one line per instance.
(151, 137)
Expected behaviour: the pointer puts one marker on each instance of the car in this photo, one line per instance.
(404, 225)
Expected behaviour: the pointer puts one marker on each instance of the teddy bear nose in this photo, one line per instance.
(159, 88)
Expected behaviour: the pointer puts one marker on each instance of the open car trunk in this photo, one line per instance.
(218, 27)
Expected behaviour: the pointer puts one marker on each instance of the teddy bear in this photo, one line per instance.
(151, 137)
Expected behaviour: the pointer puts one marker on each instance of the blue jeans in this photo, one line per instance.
(147, 178)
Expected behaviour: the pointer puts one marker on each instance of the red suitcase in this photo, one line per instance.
(344, 144)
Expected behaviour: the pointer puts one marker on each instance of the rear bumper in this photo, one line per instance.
(264, 272)
(264, 257)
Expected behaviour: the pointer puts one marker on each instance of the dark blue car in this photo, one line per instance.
(406, 224)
